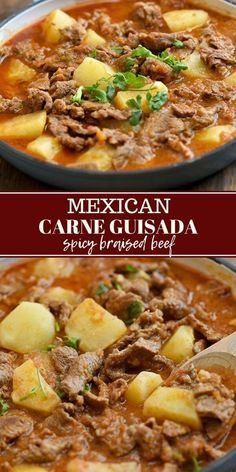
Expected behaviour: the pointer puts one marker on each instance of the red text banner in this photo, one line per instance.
(91, 224)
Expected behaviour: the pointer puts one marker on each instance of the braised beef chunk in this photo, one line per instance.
(12, 426)
(120, 103)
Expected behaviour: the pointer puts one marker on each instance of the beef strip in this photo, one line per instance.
(118, 302)
(6, 373)
(148, 14)
(71, 133)
(11, 105)
(63, 357)
(158, 41)
(76, 32)
(217, 51)
(210, 333)
(12, 426)
(46, 449)
(29, 52)
(39, 100)
(62, 419)
(157, 70)
(61, 310)
(42, 83)
(60, 89)
(81, 372)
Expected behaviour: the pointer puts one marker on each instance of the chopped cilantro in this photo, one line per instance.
(155, 102)
(129, 63)
(77, 98)
(164, 56)
(40, 381)
(4, 407)
(60, 393)
(57, 326)
(32, 392)
(130, 269)
(111, 91)
(102, 288)
(135, 104)
(72, 342)
(134, 310)
(118, 49)
(87, 388)
(178, 44)
(93, 53)
(196, 465)
(97, 94)
(50, 347)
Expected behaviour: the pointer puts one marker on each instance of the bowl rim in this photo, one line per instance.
(110, 173)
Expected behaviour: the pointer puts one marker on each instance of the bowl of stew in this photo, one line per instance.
(85, 365)
(119, 95)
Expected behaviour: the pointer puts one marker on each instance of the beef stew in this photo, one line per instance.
(121, 85)
(85, 369)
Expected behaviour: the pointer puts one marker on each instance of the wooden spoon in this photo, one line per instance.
(221, 354)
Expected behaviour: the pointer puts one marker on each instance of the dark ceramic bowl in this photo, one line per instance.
(172, 176)
(221, 269)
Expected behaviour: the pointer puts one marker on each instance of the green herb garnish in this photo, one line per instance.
(57, 327)
(4, 406)
(50, 347)
(134, 310)
(129, 63)
(77, 98)
(32, 392)
(102, 288)
(72, 342)
(178, 44)
(40, 381)
(118, 49)
(130, 269)
(196, 465)
(87, 388)
(135, 104)
(60, 393)
(111, 91)
(97, 94)
(155, 102)
(93, 53)
(165, 56)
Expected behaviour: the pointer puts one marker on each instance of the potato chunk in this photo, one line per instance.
(215, 134)
(24, 126)
(45, 146)
(180, 345)
(77, 465)
(29, 327)
(19, 72)
(93, 39)
(121, 98)
(98, 157)
(95, 327)
(54, 23)
(30, 390)
(28, 468)
(142, 386)
(53, 267)
(180, 20)
(59, 294)
(173, 403)
(196, 66)
(91, 71)
(231, 80)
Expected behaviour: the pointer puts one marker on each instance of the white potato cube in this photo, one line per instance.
(59, 294)
(121, 98)
(93, 39)
(45, 146)
(55, 23)
(19, 72)
(95, 327)
(28, 468)
(53, 267)
(30, 390)
(77, 465)
(215, 134)
(196, 66)
(180, 20)
(29, 327)
(173, 403)
(180, 345)
(28, 126)
(142, 386)
(231, 80)
(98, 157)
(91, 71)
